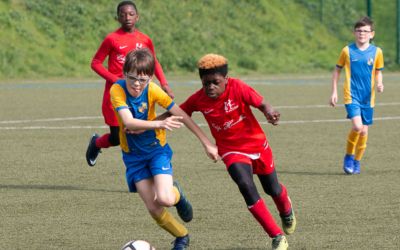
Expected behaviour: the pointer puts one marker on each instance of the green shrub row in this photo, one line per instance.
(57, 38)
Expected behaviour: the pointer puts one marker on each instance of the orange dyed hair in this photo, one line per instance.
(211, 61)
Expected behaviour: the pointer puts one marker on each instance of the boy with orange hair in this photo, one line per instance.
(226, 103)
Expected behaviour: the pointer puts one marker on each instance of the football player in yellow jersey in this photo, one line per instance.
(363, 63)
(146, 154)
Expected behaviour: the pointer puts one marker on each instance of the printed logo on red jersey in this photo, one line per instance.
(139, 45)
(216, 127)
(207, 111)
(230, 106)
(121, 58)
(228, 124)
(231, 123)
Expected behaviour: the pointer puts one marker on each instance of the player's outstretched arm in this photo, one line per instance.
(210, 148)
(134, 124)
(270, 114)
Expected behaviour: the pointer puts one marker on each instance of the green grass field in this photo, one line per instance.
(51, 199)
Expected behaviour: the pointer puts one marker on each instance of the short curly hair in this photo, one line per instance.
(212, 64)
(123, 3)
(211, 61)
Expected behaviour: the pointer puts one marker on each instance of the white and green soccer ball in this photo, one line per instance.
(137, 245)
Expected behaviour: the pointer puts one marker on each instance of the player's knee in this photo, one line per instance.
(248, 191)
(154, 210)
(273, 191)
(245, 185)
(364, 131)
(166, 200)
(358, 128)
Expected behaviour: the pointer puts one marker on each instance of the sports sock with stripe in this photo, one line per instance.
(264, 217)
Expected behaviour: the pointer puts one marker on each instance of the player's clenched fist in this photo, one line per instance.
(273, 117)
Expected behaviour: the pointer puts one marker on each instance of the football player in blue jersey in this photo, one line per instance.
(363, 64)
(146, 153)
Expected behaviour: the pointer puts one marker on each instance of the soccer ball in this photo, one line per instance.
(137, 245)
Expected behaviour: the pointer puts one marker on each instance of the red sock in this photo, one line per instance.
(264, 217)
(282, 202)
(103, 141)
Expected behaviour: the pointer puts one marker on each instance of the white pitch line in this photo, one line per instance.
(53, 119)
(334, 120)
(60, 119)
(51, 128)
(388, 118)
(100, 117)
(328, 106)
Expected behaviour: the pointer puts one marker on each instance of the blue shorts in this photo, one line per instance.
(140, 167)
(366, 114)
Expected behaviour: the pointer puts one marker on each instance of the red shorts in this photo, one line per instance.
(109, 115)
(262, 163)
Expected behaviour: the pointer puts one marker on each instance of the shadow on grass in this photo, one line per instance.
(58, 188)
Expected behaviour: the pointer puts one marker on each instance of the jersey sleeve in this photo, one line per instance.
(97, 62)
(158, 71)
(189, 106)
(344, 54)
(379, 59)
(159, 96)
(118, 97)
(250, 96)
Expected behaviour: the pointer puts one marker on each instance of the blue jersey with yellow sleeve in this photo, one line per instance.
(360, 67)
(143, 108)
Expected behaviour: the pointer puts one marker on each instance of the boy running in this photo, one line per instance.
(146, 154)
(226, 103)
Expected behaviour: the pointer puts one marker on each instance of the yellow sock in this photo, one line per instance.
(352, 140)
(361, 146)
(172, 226)
(177, 195)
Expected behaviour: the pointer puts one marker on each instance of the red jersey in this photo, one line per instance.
(231, 121)
(116, 46)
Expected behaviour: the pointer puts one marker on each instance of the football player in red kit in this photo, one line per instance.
(226, 103)
(116, 46)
